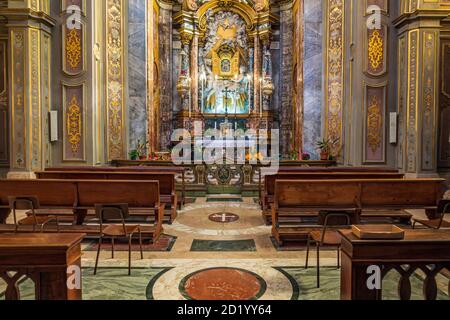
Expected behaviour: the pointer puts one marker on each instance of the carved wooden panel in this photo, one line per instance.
(429, 104)
(376, 43)
(383, 4)
(4, 134)
(18, 128)
(444, 113)
(67, 4)
(375, 127)
(74, 122)
(73, 43)
(335, 71)
(115, 80)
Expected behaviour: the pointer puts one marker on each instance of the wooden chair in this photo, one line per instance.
(116, 213)
(443, 209)
(30, 203)
(328, 238)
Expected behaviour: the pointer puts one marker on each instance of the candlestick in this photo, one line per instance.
(249, 87)
(261, 97)
(190, 98)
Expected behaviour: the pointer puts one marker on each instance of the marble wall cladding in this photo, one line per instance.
(165, 54)
(313, 65)
(137, 67)
(286, 80)
(176, 68)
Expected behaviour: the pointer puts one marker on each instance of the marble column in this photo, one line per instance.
(151, 121)
(286, 79)
(165, 54)
(137, 77)
(312, 75)
(194, 74)
(257, 75)
(29, 79)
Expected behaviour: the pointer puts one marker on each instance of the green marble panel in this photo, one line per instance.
(226, 246)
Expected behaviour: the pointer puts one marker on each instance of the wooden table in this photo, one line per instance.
(419, 249)
(44, 258)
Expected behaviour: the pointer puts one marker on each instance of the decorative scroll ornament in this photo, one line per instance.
(376, 50)
(73, 48)
(374, 124)
(74, 124)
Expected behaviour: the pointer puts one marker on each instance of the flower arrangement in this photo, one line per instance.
(299, 155)
(306, 156)
(254, 156)
(160, 156)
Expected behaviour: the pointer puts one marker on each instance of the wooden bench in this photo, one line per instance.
(79, 196)
(269, 183)
(313, 196)
(168, 195)
(176, 170)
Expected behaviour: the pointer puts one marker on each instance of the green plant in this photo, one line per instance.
(134, 154)
(326, 145)
(141, 147)
(139, 151)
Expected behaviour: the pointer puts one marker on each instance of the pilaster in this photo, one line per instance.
(419, 45)
(29, 28)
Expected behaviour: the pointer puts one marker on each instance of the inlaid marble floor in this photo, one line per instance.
(214, 260)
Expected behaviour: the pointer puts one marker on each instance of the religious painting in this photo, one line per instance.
(226, 66)
(225, 74)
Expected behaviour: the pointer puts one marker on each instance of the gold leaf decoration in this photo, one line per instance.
(376, 50)
(74, 124)
(374, 124)
(73, 48)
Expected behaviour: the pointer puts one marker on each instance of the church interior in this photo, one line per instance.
(225, 150)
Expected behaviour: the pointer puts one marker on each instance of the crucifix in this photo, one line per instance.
(226, 92)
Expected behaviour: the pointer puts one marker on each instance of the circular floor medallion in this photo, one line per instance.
(223, 284)
(225, 217)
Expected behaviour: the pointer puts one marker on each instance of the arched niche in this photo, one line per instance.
(245, 11)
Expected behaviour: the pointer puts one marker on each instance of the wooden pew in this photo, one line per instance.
(52, 194)
(269, 183)
(168, 195)
(177, 170)
(297, 196)
(79, 196)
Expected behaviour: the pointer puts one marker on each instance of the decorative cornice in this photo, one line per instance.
(20, 14)
(420, 15)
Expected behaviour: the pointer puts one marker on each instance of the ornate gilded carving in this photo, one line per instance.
(402, 100)
(374, 124)
(412, 105)
(4, 104)
(73, 48)
(335, 73)
(35, 100)
(115, 81)
(429, 101)
(74, 124)
(18, 102)
(74, 102)
(376, 49)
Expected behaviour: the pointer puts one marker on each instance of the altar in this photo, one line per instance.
(231, 85)
(202, 179)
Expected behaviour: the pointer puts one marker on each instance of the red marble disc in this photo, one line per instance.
(223, 284)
